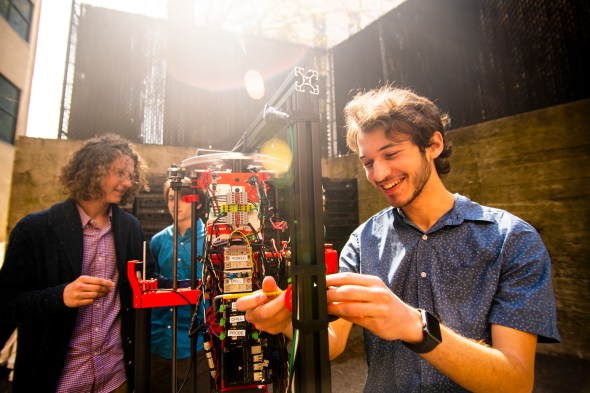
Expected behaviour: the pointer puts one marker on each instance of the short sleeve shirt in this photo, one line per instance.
(475, 267)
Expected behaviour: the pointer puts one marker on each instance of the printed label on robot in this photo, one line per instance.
(236, 333)
(238, 258)
(237, 319)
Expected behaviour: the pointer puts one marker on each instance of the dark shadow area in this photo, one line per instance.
(553, 374)
(561, 374)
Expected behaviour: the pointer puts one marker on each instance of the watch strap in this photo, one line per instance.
(431, 334)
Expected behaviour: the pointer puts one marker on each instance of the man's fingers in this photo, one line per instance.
(340, 279)
(85, 290)
(269, 284)
(251, 301)
(258, 298)
(90, 280)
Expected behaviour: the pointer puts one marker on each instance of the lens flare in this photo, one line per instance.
(279, 154)
(254, 84)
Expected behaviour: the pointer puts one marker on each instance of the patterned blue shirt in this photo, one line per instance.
(475, 267)
(161, 247)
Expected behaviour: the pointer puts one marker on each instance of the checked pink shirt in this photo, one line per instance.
(94, 362)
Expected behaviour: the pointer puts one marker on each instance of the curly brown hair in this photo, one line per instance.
(398, 110)
(83, 176)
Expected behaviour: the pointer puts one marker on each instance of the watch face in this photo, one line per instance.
(432, 326)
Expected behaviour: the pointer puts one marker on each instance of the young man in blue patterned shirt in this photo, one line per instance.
(452, 295)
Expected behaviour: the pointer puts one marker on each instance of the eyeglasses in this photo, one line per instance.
(123, 175)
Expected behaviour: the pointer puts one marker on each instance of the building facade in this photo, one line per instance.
(19, 22)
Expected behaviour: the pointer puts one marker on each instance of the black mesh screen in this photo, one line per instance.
(479, 59)
(341, 213)
(118, 75)
(169, 81)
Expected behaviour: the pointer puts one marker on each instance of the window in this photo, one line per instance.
(18, 13)
(9, 98)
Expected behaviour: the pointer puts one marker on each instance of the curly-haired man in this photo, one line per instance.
(64, 282)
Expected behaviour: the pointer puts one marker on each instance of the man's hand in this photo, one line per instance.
(85, 290)
(366, 301)
(267, 313)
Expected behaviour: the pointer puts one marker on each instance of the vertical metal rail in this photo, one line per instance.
(194, 307)
(312, 371)
(176, 185)
(142, 349)
(298, 97)
(68, 78)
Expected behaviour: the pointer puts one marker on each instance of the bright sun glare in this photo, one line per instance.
(47, 85)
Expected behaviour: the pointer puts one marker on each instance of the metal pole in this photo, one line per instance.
(312, 372)
(194, 307)
(175, 186)
(298, 97)
(142, 349)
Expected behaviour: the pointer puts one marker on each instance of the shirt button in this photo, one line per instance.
(169, 327)
(182, 243)
(179, 259)
(424, 237)
(423, 274)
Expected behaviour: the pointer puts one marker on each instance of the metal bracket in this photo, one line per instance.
(307, 78)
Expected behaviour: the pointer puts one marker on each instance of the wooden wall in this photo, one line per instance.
(537, 166)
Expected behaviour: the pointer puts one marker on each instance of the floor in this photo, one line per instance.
(552, 374)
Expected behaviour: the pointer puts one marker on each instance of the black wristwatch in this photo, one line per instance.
(431, 331)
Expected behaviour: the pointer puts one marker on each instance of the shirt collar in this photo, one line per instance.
(187, 233)
(85, 218)
(467, 210)
(464, 209)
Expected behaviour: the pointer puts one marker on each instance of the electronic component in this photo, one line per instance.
(237, 259)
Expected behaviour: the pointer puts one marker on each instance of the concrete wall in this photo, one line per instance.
(6, 164)
(537, 166)
(37, 164)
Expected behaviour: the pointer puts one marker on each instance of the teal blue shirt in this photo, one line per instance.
(161, 247)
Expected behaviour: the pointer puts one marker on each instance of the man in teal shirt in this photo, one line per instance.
(162, 248)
